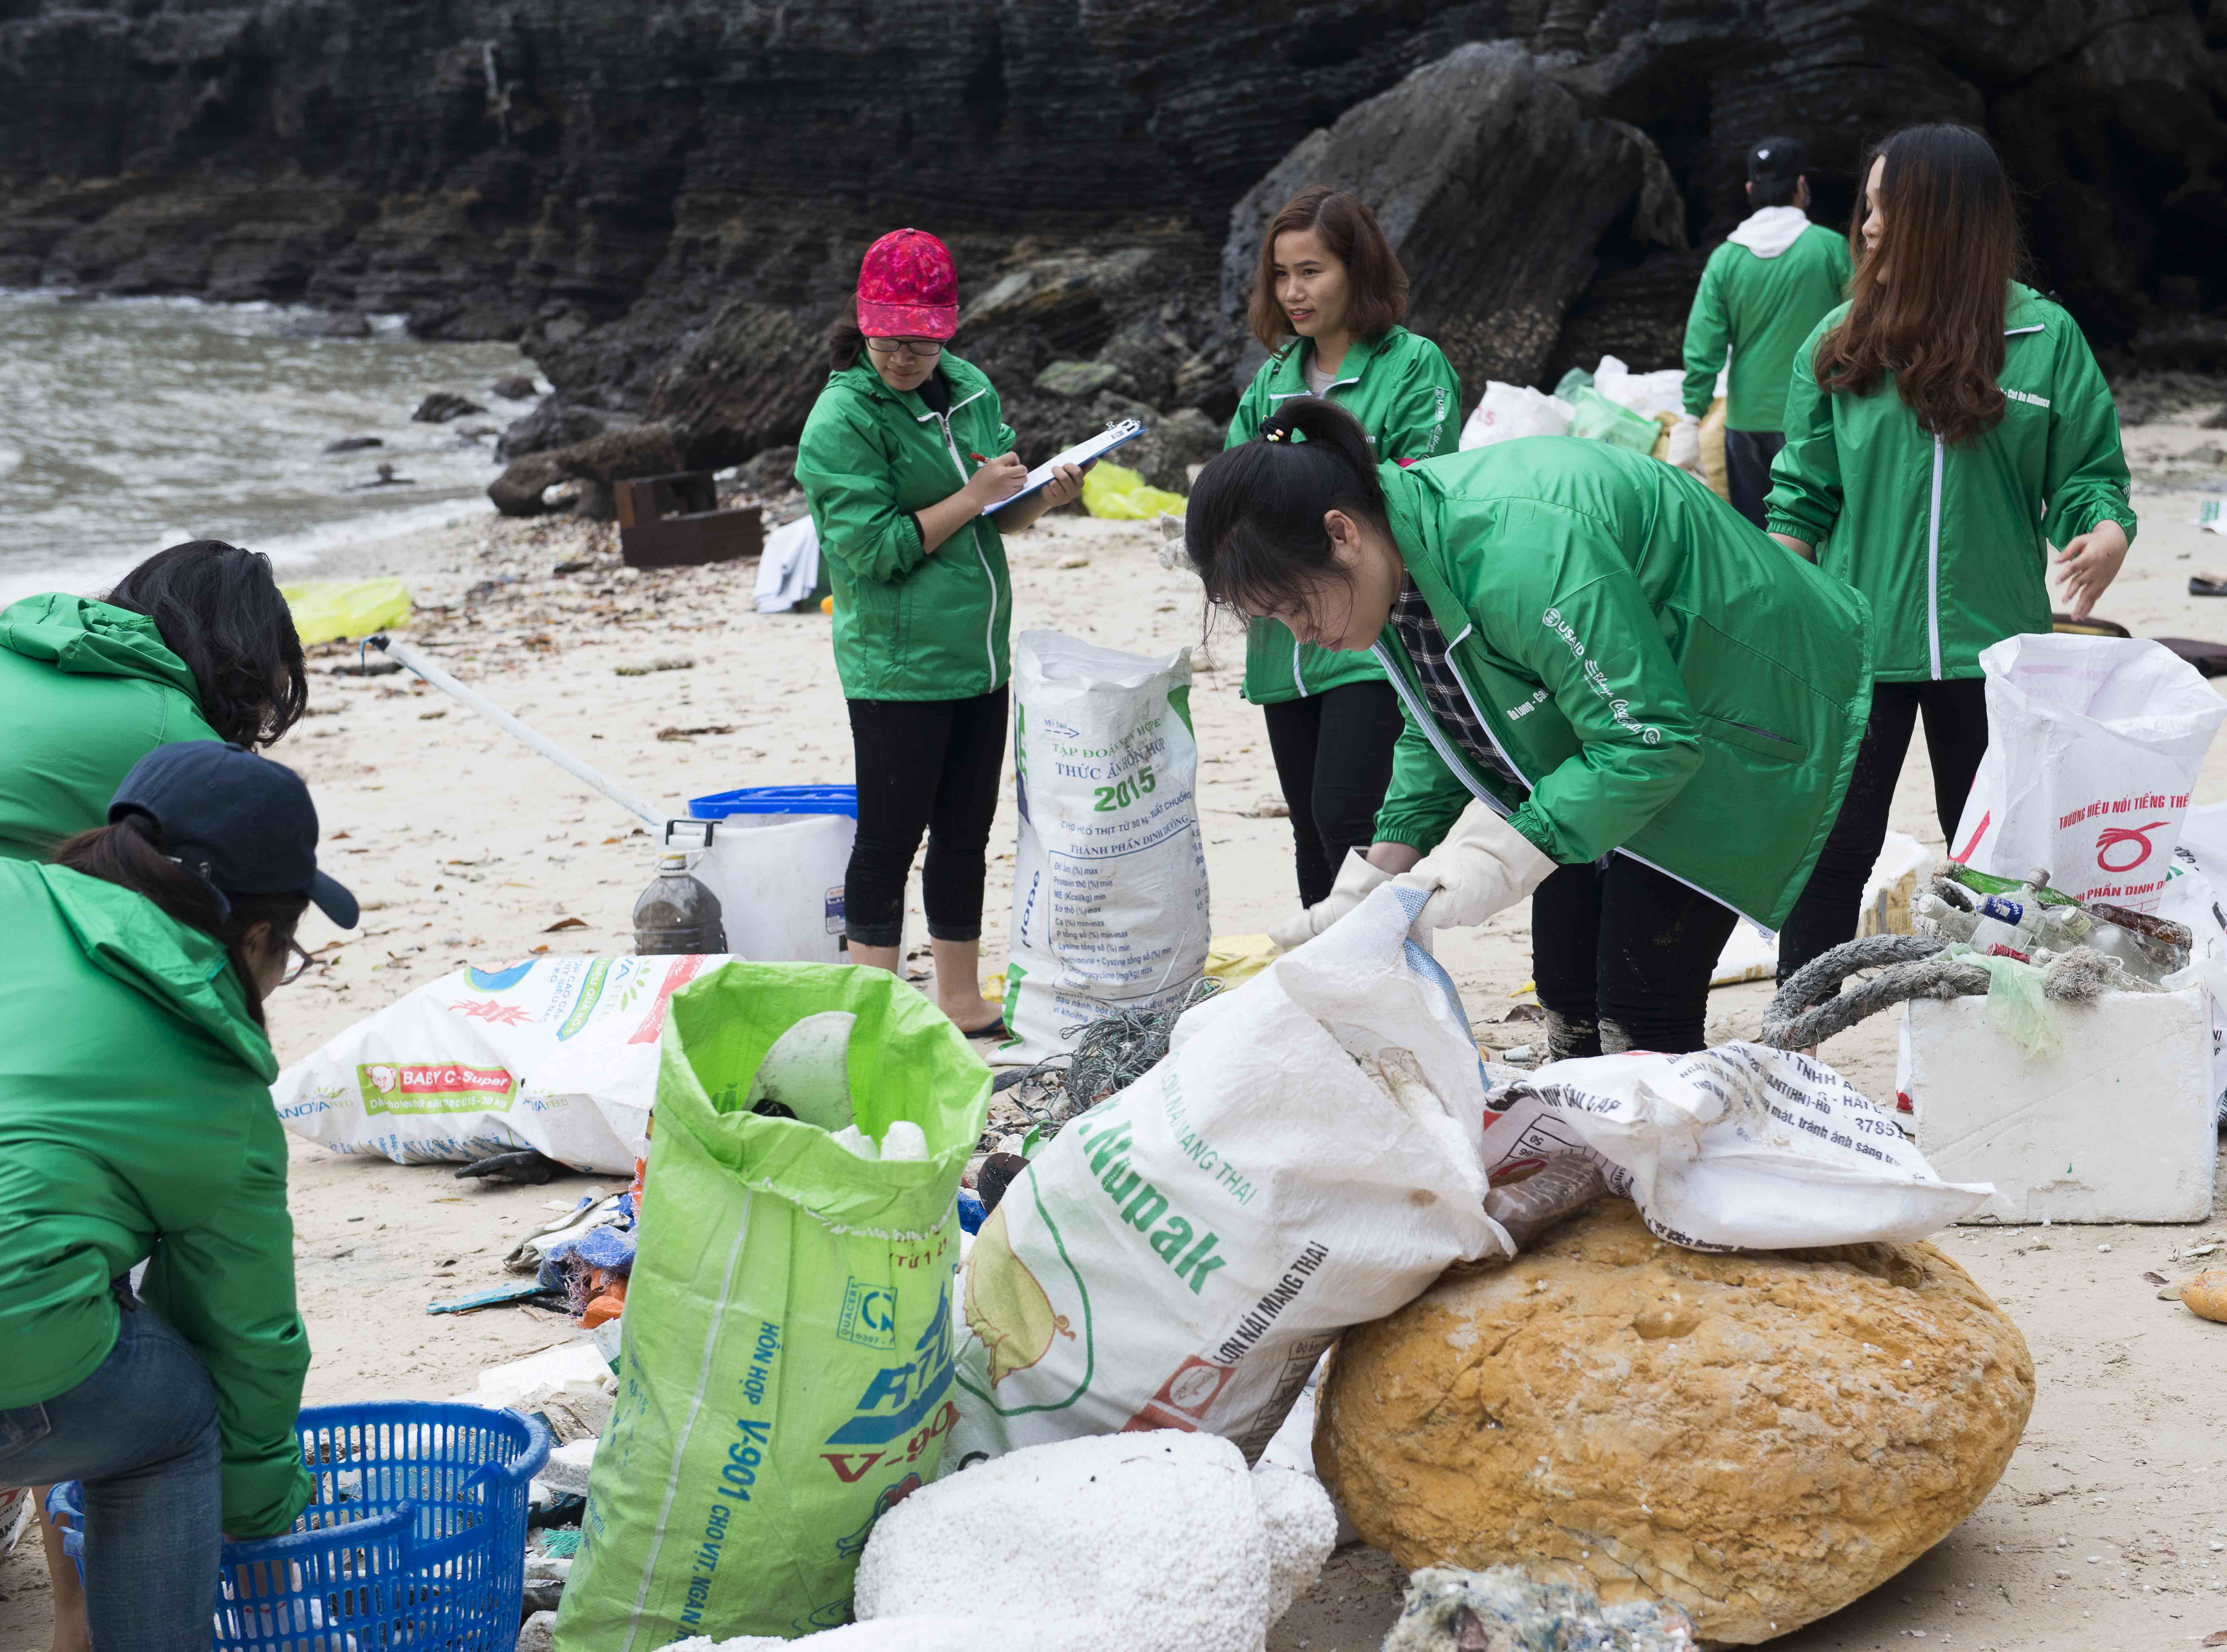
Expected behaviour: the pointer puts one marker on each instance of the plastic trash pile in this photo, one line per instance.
(1610, 404)
(1502, 1610)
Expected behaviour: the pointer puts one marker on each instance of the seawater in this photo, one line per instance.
(128, 425)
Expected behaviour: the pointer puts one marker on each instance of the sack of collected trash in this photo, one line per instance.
(1646, 393)
(1741, 1147)
(785, 1375)
(1510, 410)
(1596, 418)
(1304, 1157)
(2195, 894)
(555, 1054)
(1123, 495)
(2093, 749)
(1110, 884)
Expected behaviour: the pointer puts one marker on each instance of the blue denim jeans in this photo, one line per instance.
(140, 1435)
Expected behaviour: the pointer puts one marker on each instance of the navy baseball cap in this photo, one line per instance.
(246, 823)
(1777, 160)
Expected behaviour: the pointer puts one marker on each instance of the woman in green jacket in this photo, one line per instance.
(136, 1126)
(1943, 429)
(1328, 299)
(1619, 695)
(904, 460)
(196, 643)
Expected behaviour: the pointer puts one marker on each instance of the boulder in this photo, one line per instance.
(1756, 1438)
(771, 472)
(1076, 379)
(556, 424)
(1171, 444)
(1496, 189)
(442, 406)
(512, 386)
(743, 382)
(616, 456)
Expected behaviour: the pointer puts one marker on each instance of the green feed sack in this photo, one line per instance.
(785, 1372)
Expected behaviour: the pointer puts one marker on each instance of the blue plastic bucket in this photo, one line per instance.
(415, 1536)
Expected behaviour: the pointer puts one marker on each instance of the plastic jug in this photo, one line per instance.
(677, 913)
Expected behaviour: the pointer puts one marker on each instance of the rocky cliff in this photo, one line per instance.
(664, 200)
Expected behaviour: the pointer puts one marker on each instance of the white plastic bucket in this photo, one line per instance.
(779, 878)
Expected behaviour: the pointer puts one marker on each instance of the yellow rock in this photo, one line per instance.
(2206, 1293)
(1757, 1439)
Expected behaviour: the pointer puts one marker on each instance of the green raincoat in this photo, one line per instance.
(1667, 681)
(1949, 545)
(1762, 307)
(136, 1124)
(86, 692)
(909, 625)
(1409, 403)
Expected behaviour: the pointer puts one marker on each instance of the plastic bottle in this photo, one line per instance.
(676, 913)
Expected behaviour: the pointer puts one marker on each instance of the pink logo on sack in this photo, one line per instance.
(2118, 838)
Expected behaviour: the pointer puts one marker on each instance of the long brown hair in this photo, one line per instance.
(1376, 286)
(1926, 304)
(130, 855)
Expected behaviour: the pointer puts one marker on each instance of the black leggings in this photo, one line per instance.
(1334, 759)
(1748, 455)
(1956, 739)
(929, 766)
(1622, 957)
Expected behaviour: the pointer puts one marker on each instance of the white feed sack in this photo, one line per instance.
(1742, 1147)
(1110, 884)
(1508, 411)
(1305, 1157)
(557, 1054)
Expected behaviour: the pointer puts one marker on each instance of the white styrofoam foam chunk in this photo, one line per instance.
(2118, 1126)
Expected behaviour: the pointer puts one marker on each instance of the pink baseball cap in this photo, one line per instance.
(908, 287)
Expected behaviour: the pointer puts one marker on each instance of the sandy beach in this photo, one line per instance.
(464, 846)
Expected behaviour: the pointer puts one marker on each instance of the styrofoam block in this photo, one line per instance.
(2117, 1127)
(568, 1467)
(522, 1381)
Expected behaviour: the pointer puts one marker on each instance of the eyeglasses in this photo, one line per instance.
(925, 348)
(302, 960)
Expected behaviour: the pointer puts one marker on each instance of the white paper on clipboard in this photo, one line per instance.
(1093, 447)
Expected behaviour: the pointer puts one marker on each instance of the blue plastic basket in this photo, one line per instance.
(415, 1536)
(777, 799)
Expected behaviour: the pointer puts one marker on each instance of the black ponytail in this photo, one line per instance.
(130, 854)
(1254, 528)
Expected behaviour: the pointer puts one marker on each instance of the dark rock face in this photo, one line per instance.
(1494, 188)
(556, 423)
(634, 192)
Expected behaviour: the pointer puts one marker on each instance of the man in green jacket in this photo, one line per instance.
(1761, 292)
(136, 1125)
(196, 643)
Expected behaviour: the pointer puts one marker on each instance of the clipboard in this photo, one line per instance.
(1091, 447)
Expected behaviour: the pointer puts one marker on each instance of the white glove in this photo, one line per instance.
(1355, 880)
(1685, 450)
(1485, 866)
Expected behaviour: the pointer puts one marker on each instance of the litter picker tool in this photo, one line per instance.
(432, 674)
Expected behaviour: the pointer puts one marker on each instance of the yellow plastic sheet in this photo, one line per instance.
(1114, 491)
(1232, 959)
(326, 610)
